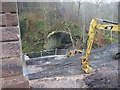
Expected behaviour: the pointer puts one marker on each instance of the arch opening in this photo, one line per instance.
(59, 40)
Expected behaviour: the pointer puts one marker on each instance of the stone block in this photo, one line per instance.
(10, 49)
(9, 34)
(11, 19)
(9, 7)
(8, 19)
(2, 20)
(11, 67)
(15, 82)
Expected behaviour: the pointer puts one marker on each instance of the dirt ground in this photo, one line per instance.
(62, 72)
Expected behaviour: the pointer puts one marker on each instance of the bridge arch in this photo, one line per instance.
(58, 39)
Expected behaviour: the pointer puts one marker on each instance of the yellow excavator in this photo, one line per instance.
(91, 34)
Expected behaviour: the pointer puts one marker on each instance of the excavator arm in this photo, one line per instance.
(91, 34)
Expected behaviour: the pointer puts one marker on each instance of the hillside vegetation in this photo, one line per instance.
(38, 20)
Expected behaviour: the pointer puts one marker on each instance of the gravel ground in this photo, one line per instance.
(62, 72)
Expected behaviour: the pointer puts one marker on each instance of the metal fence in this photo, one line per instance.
(47, 53)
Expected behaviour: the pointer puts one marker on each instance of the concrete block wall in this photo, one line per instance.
(10, 51)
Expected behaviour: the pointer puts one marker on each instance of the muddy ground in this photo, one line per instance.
(62, 72)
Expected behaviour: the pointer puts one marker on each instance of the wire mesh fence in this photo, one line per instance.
(46, 53)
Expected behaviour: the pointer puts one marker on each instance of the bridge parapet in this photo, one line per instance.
(10, 47)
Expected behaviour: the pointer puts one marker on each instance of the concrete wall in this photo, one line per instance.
(10, 51)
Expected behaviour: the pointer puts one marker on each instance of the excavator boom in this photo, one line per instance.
(91, 34)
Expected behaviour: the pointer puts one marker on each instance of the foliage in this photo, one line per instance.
(108, 38)
(37, 20)
(32, 33)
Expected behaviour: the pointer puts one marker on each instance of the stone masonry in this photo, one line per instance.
(10, 48)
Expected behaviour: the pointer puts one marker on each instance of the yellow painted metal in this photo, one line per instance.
(73, 52)
(91, 35)
(104, 27)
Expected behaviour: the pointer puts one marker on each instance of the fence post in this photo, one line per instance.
(66, 50)
(41, 53)
(56, 51)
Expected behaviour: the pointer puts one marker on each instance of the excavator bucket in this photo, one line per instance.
(85, 66)
(87, 69)
(73, 52)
